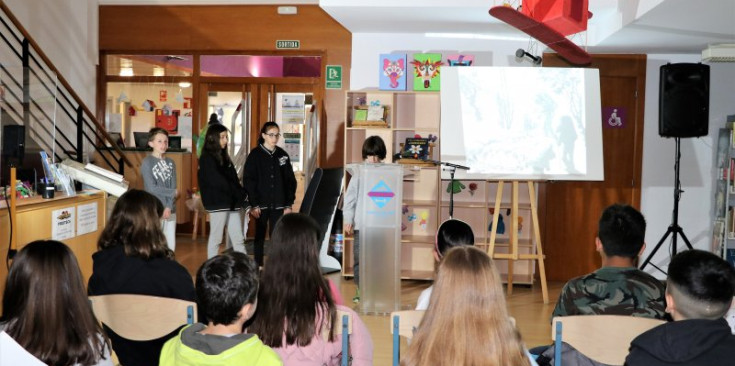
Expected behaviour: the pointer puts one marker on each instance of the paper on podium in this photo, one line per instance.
(12, 354)
(77, 171)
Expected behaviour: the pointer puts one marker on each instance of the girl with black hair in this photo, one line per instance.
(222, 194)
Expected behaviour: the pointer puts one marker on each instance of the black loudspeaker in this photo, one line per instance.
(683, 104)
(14, 140)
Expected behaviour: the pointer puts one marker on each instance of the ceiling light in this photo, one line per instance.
(287, 10)
(184, 84)
(158, 71)
(475, 36)
(126, 71)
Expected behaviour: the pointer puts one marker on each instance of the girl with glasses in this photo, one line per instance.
(270, 183)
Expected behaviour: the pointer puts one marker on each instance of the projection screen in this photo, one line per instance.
(522, 123)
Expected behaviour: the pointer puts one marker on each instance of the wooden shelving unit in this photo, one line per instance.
(406, 115)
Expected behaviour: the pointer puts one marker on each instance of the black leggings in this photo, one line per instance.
(261, 226)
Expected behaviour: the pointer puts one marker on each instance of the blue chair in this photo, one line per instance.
(404, 324)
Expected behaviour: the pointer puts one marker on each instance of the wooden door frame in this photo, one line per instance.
(610, 65)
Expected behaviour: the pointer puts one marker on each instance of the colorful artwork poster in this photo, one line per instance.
(460, 60)
(392, 70)
(62, 223)
(426, 68)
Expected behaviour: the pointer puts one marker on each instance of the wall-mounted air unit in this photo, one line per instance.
(719, 53)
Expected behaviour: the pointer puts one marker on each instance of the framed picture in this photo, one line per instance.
(426, 71)
(392, 71)
(460, 60)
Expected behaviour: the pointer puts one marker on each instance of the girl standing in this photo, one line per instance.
(270, 183)
(222, 194)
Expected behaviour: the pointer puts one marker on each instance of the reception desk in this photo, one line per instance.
(76, 221)
(182, 160)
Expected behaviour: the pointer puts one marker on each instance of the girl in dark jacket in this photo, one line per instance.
(222, 194)
(270, 183)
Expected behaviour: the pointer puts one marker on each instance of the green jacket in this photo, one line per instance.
(191, 348)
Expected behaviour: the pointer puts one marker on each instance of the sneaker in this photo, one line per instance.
(356, 298)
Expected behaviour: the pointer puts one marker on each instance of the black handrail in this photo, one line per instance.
(69, 103)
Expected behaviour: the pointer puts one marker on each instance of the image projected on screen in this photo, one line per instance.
(522, 123)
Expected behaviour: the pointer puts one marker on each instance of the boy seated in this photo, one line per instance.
(699, 292)
(226, 289)
(619, 287)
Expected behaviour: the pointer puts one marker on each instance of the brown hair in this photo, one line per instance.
(155, 131)
(46, 307)
(293, 292)
(467, 322)
(135, 225)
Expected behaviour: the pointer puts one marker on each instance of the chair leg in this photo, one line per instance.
(204, 224)
(195, 225)
(396, 342)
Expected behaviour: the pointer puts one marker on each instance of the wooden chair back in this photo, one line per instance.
(141, 317)
(603, 338)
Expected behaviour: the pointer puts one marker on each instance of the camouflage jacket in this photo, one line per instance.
(613, 291)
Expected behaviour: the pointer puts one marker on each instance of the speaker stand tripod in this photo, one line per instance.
(674, 228)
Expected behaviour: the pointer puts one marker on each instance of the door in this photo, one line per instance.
(245, 107)
(571, 209)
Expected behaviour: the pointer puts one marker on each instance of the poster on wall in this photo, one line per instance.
(292, 145)
(292, 108)
(87, 218)
(62, 223)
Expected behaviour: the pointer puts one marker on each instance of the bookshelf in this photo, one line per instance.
(723, 233)
(404, 115)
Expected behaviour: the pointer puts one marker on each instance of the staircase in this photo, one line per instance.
(35, 95)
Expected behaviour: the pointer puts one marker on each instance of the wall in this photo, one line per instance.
(367, 46)
(697, 160)
(657, 186)
(66, 31)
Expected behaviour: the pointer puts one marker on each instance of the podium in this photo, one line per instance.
(379, 214)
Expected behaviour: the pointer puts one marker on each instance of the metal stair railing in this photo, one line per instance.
(36, 95)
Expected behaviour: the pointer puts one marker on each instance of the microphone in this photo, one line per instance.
(520, 53)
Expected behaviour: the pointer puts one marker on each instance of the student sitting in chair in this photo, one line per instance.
(619, 287)
(227, 289)
(699, 292)
(451, 233)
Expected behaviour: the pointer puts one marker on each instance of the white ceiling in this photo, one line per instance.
(617, 26)
(631, 26)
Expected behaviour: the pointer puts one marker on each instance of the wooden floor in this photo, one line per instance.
(525, 304)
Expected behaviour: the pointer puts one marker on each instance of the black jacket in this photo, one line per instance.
(115, 273)
(218, 184)
(269, 178)
(694, 342)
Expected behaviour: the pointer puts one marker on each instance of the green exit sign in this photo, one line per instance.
(288, 44)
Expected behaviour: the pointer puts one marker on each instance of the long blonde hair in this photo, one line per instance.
(467, 321)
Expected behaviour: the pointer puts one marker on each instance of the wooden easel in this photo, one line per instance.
(513, 254)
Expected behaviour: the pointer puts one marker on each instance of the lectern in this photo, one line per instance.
(379, 214)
